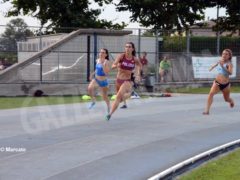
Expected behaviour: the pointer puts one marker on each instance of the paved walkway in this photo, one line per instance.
(71, 142)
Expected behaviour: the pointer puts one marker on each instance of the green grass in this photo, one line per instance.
(224, 168)
(200, 90)
(17, 102)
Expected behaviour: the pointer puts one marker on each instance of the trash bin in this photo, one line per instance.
(150, 80)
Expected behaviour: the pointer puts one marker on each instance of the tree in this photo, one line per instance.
(164, 14)
(63, 13)
(231, 22)
(177, 14)
(16, 30)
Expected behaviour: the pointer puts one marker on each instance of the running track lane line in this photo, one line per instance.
(191, 161)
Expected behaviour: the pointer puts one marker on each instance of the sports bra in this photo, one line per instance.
(222, 70)
(99, 70)
(126, 64)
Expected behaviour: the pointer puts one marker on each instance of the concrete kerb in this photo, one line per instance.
(195, 161)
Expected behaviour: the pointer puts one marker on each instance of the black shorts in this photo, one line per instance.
(222, 86)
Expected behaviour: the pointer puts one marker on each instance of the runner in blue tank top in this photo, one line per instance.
(221, 82)
(99, 78)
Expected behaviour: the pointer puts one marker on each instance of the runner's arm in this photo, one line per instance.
(213, 66)
(116, 62)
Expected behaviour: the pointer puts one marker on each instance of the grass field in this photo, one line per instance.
(17, 102)
(226, 167)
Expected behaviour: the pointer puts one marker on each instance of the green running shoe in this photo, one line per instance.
(107, 118)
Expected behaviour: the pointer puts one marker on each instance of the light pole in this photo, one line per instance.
(218, 34)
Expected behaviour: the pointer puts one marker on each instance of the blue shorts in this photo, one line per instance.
(103, 83)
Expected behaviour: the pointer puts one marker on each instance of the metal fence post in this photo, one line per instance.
(157, 56)
(88, 57)
(40, 40)
(58, 58)
(218, 34)
(188, 51)
(40, 48)
(95, 50)
(41, 69)
(188, 41)
(139, 42)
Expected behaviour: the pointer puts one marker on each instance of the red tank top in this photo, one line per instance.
(127, 64)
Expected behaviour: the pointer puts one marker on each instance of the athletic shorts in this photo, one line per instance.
(222, 86)
(103, 83)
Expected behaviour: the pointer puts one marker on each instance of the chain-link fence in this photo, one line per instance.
(39, 59)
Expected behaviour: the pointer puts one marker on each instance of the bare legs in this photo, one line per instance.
(123, 93)
(214, 90)
(226, 96)
(91, 92)
(91, 88)
(105, 97)
(163, 75)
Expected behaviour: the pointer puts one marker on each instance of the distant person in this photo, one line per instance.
(99, 78)
(221, 83)
(125, 63)
(164, 68)
(144, 62)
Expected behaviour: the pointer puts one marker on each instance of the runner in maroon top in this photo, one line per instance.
(126, 63)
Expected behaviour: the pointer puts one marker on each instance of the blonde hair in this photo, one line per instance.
(230, 53)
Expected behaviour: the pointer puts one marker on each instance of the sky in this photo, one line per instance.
(109, 13)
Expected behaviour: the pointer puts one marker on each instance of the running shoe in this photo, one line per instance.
(123, 107)
(107, 118)
(135, 97)
(205, 113)
(91, 105)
